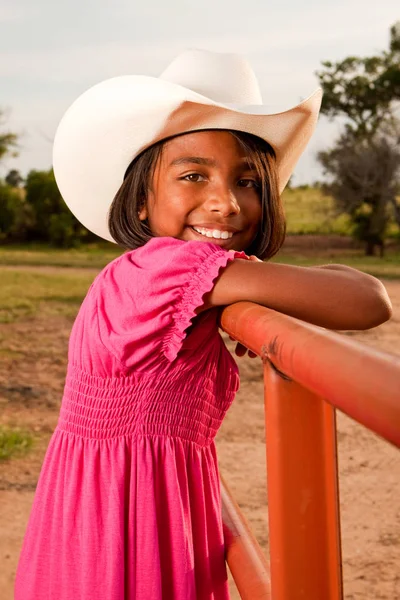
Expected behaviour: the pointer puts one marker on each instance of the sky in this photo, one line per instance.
(51, 52)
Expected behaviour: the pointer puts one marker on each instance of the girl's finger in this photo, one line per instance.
(240, 350)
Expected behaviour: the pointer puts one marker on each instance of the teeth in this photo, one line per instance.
(215, 233)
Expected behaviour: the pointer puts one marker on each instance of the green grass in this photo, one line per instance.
(23, 294)
(13, 442)
(309, 211)
(94, 256)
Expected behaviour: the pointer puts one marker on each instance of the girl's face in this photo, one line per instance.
(203, 180)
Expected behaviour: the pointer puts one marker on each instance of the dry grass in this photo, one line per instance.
(23, 294)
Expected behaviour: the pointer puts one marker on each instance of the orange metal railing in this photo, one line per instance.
(308, 372)
(247, 563)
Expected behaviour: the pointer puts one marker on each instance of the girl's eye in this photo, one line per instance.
(248, 183)
(193, 177)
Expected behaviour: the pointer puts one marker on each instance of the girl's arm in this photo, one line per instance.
(331, 296)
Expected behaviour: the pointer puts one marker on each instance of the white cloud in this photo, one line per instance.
(11, 12)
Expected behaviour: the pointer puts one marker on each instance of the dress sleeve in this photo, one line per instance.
(151, 294)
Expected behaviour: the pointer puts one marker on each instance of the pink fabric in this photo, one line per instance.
(127, 505)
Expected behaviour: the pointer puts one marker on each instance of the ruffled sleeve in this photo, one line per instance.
(149, 296)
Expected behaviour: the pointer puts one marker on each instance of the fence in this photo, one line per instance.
(308, 373)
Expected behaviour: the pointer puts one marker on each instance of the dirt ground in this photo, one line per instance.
(369, 467)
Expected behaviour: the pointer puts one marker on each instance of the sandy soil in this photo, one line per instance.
(369, 467)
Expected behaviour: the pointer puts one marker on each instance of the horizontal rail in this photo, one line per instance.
(246, 561)
(360, 381)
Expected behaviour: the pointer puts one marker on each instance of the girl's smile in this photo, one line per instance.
(203, 181)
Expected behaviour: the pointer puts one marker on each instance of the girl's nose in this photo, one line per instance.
(223, 199)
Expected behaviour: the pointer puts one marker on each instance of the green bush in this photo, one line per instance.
(43, 216)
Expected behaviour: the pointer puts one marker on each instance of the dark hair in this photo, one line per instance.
(130, 232)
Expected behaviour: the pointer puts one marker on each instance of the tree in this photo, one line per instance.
(363, 89)
(14, 178)
(8, 140)
(365, 183)
(9, 203)
(364, 159)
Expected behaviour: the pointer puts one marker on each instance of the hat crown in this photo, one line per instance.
(114, 121)
(226, 78)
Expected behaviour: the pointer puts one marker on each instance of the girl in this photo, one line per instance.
(128, 500)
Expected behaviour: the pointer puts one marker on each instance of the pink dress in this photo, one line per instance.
(128, 503)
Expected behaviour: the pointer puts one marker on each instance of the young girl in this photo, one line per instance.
(185, 172)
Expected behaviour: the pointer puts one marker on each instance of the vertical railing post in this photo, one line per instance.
(303, 497)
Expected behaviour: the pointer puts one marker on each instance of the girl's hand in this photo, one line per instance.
(241, 350)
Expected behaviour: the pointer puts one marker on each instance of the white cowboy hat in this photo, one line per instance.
(114, 121)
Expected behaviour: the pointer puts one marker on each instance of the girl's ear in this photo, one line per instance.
(143, 213)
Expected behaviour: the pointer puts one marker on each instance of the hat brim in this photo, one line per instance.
(114, 121)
